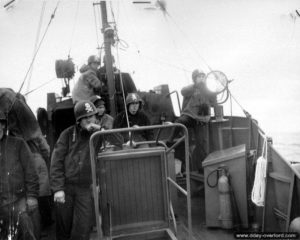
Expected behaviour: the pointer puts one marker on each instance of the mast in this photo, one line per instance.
(108, 35)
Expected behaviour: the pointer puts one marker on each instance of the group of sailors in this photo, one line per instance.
(70, 170)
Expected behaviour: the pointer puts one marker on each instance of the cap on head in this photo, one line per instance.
(97, 100)
(93, 59)
(197, 73)
(83, 109)
(133, 98)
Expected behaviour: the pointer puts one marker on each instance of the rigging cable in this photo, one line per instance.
(52, 16)
(36, 41)
(124, 45)
(175, 45)
(122, 87)
(38, 48)
(142, 55)
(96, 26)
(247, 114)
(121, 79)
(73, 30)
(186, 36)
(161, 62)
(27, 93)
(133, 32)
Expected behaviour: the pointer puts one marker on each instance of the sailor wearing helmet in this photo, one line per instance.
(70, 175)
(104, 120)
(136, 118)
(88, 83)
(197, 101)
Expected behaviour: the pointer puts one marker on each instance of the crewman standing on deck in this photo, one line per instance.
(88, 83)
(197, 101)
(70, 175)
(19, 186)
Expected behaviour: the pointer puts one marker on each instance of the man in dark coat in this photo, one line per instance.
(70, 175)
(22, 123)
(197, 101)
(18, 185)
(136, 118)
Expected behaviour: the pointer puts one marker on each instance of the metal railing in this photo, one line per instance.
(184, 138)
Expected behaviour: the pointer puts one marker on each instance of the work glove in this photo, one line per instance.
(59, 196)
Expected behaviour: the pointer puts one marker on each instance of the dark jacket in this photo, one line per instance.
(106, 121)
(17, 160)
(70, 161)
(140, 119)
(197, 101)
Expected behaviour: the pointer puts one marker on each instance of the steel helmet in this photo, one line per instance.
(133, 98)
(196, 73)
(93, 59)
(97, 100)
(84, 109)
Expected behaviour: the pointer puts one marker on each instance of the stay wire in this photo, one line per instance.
(157, 61)
(176, 47)
(186, 36)
(133, 32)
(73, 30)
(120, 73)
(36, 52)
(42, 85)
(247, 114)
(112, 12)
(96, 26)
(124, 45)
(34, 56)
(37, 40)
(122, 87)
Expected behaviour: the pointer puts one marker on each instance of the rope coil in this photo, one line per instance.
(259, 186)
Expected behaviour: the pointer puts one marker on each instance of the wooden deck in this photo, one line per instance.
(200, 231)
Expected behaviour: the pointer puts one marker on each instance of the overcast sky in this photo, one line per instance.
(255, 43)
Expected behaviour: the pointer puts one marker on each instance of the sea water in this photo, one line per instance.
(287, 144)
